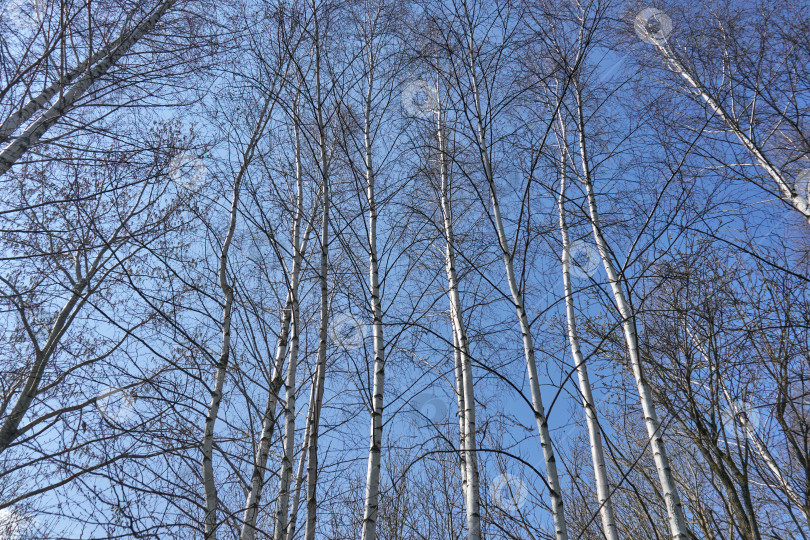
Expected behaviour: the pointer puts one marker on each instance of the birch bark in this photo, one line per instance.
(588, 403)
(289, 408)
(320, 370)
(370, 507)
(470, 478)
(799, 201)
(677, 522)
(16, 148)
(248, 531)
(209, 482)
(557, 507)
(299, 478)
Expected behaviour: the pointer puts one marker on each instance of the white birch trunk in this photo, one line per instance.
(248, 531)
(320, 370)
(370, 507)
(557, 510)
(282, 506)
(588, 403)
(291, 308)
(459, 374)
(799, 201)
(299, 478)
(15, 149)
(209, 482)
(320, 373)
(24, 113)
(677, 522)
(470, 478)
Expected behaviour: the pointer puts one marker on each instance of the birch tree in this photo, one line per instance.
(742, 107)
(677, 521)
(323, 161)
(478, 115)
(588, 402)
(299, 248)
(464, 377)
(209, 481)
(70, 87)
(432, 169)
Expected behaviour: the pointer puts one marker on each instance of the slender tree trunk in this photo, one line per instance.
(289, 433)
(291, 310)
(209, 482)
(248, 531)
(370, 507)
(470, 479)
(299, 478)
(320, 373)
(14, 150)
(36, 103)
(588, 403)
(534, 383)
(677, 522)
(289, 409)
(798, 200)
(253, 498)
(320, 370)
(557, 509)
(459, 373)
